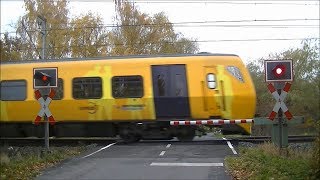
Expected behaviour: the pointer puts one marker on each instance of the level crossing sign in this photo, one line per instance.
(44, 107)
(280, 101)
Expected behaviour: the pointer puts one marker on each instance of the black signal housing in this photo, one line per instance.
(45, 78)
(278, 71)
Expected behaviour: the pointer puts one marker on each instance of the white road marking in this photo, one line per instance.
(230, 146)
(162, 153)
(99, 150)
(168, 145)
(186, 164)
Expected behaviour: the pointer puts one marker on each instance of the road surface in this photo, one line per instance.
(201, 159)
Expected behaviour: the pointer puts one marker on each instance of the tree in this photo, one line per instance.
(264, 99)
(57, 40)
(138, 33)
(10, 48)
(82, 36)
(88, 36)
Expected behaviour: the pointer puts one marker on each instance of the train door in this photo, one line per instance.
(212, 92)
(170, 91)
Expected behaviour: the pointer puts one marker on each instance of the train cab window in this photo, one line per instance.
(235, 72)
(127, 87)
(87, 88)
(15, 90)
(211, 80)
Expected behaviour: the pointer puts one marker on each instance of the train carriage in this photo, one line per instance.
(134, 97)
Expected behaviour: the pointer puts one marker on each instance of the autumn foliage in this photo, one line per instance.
(133, 33)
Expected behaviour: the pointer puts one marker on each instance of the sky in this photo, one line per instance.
(245, 28)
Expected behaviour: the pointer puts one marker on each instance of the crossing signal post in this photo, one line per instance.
(44, 80)
(278, 75)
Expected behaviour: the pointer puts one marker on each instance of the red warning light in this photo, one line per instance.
(279, 70)
(44, 78)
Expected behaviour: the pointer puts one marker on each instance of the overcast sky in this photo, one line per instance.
(226, 26)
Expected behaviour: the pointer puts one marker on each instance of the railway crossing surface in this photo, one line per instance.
(201, 159)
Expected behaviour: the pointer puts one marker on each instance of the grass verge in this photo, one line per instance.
(264, 162)
(28, 162)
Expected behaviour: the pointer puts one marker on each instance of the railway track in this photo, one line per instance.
(261, 139)
(85, 141)
(55, 141)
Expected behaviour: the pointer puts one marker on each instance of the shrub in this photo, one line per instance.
(264, 162)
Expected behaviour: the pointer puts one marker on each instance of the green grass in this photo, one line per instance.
(264, 162)
(27, 165)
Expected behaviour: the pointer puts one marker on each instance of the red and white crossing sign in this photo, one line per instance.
(280, 101)
(44, 107)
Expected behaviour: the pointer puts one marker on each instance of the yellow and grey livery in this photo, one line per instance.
(115, 95)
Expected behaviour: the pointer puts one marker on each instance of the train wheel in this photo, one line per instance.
(129, 133)
(186, 134)
(130, 138)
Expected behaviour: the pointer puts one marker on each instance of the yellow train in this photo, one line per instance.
(134, 97)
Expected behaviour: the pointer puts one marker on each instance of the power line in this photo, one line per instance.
(233, 2)
(166, 42)
(199, 24)
(246, 40)
(186, 26)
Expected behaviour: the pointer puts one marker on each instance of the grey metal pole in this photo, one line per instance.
(44, 42)
(46, 133)
(280, 120)
(43, 22)
(44, 35)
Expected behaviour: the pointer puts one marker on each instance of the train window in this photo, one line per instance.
(179, 83)
(211, 79)
(161, 83)
(13, 90)
(59, 90)
(127, 87)
(87, 88)
(235, 72)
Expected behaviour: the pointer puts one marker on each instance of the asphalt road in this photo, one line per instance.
(201, 159)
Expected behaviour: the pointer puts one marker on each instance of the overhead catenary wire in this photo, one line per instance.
(197, 24)
(232, 2)
(167, 42)
(189, 26)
